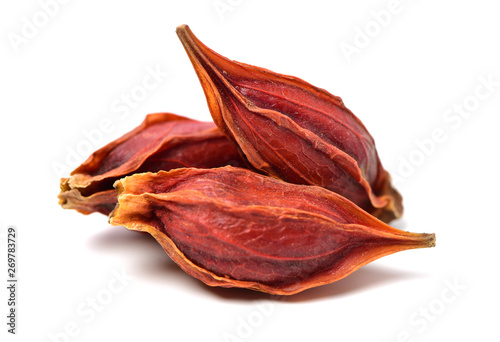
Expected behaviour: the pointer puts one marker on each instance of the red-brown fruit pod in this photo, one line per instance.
(232, 227)
(292, 130)
(163, 141)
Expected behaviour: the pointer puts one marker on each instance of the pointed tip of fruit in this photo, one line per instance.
(187, 39)
(431, 240)
(182, 29)
(418, 240)
(425, 240)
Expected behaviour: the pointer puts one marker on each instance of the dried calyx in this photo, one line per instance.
(163, 141)
(289, 129)
(274, 236)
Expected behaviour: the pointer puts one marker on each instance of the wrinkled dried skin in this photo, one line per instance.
(292, 130)
(232, 227)
(101, 202)
(163, 141)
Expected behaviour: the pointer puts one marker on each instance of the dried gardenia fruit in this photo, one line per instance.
(232, 227)
(294, 131)
(163, 141)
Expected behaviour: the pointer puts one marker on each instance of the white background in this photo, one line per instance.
(406, 80)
